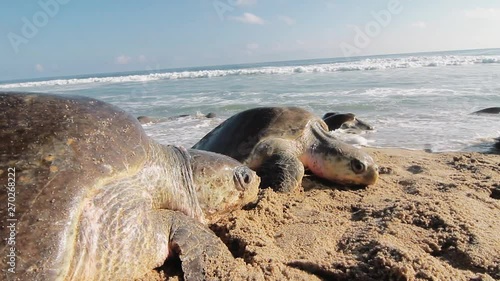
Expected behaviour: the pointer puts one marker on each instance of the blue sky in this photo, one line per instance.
(44, 38)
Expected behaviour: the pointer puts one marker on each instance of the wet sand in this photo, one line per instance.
(431, 216)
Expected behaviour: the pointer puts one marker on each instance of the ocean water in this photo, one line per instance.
(415, 101)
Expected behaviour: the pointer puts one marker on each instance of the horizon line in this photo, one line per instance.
(43, 78)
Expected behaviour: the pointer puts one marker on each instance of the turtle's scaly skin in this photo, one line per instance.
(97, 199)
(279, 142)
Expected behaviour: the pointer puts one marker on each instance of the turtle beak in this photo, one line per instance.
(371, 175)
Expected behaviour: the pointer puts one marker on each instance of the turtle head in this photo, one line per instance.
(222, 183)
(357, 125)
(211, 115)
(336, 161)
(336, 121)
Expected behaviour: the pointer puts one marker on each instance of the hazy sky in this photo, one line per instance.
(65, 37)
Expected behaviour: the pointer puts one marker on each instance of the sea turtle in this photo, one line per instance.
(279, 142)
(152, 120)
(335, 120)
(92, 197)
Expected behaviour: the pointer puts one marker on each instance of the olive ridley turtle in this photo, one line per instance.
(279, 142)
(92, 197)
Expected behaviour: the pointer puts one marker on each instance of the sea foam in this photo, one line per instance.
(367, 64)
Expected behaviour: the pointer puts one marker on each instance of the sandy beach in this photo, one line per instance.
(88, 195)
(431, 216)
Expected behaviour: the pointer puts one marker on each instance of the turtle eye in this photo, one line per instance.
(244, 176)
(357, 167)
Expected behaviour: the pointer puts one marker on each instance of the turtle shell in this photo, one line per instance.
(237, 136)
(58, 149)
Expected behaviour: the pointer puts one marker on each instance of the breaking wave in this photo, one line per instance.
(339, 66)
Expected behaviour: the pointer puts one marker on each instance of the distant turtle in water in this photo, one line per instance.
(210, 115)
(489, 110)
(153, 120)
(147, 120)
(97, 199)
(279, 142)
(335, 120)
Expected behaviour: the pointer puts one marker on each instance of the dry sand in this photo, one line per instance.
(431, 216)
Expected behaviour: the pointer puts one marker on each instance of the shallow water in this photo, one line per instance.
(416, 101)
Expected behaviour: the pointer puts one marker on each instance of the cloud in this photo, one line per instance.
(245, 2)
(287, 20)
(419, 24)
(252, 46)
(142, 58)
(122, 59)
(483, 13)
(39, 68)
(248, 18)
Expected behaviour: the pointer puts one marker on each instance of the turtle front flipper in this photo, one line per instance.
(196, 245)
(277, 164)
(283, 172)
